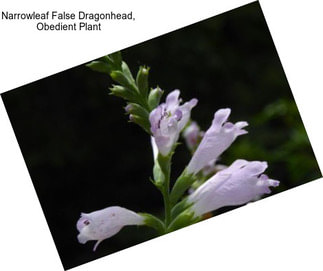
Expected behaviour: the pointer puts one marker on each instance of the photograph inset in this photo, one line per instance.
(161, 135)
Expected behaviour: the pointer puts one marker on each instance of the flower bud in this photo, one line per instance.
(138, 110)
(116, 59)
(154, 97)
(122, 79)
(142, 81)
(100, 66)
(123, 92)
(142, 122)
(192, 135)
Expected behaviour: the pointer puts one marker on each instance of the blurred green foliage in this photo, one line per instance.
(286, 147)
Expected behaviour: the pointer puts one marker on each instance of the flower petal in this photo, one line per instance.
(167, 121)
(220, 117)
(192, 134)
(154, 118)
(186, 112)
(236, 185)
(102, 224)
(216, 140)
(172, 100)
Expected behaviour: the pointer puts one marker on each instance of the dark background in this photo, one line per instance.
(83, 155)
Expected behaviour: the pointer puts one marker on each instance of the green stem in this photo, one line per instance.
(164, 163)
(167, 204)
(144, 103)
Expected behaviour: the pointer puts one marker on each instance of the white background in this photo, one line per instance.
(283, 232)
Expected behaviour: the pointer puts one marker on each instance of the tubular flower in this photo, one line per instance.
(240, 183)
(212, 168)
(168, 119)
(192, 135)
(103, 224)
(216, 140)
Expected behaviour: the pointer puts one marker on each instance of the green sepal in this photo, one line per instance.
(153, 222)
(161, 169)
(142, 81)
(100, 66)
(164, 161)
(154, 97)
(181, 185)
(159, 176)
(123, 92)
(184, 219)
(142, 122)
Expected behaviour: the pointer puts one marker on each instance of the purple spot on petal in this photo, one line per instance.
(81, 223)
(178, 115)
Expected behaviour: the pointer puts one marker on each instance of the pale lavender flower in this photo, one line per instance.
(216, 140)
(209, 169)
(168, 119)
(103, 224)
(212, 168)
(238, 184)
(192, 135)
